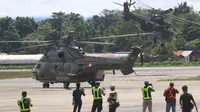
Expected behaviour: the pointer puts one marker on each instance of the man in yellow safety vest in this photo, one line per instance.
(147, 99)
(97, 98)
(24, 103)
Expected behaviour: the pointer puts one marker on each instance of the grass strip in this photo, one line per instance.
(4, 67)
(197, 78)
(11, 75)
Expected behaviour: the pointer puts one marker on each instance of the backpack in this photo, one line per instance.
(171, 95)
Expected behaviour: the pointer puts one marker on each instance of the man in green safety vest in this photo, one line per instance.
(24, 103)
(97, 98)
(147, 99)
(113, 99)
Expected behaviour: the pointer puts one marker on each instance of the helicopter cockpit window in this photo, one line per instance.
(76, 53)
(38, 66)
(55, 66)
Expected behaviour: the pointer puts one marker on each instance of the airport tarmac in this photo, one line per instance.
(57, 99)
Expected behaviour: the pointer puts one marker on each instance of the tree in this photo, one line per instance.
(58, 22)
(182, 9)
(25, 25)
(8, 32)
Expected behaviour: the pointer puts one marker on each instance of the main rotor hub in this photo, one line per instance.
(71, 33)
(67, 40)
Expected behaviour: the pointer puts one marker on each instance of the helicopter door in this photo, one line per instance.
(57, 66)
(73, 68)
(67, 67)
(52, 66)
(60, 66)
(80, 68)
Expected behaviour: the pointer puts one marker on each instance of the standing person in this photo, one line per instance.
(147, 99)
(77, 101)
(170, 97)
(24, 103)
(97, 93)
(113, 99)
(185, 101)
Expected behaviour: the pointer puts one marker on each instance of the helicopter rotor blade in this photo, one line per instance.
(88, 42)
(173, 17)
(132, 3)
(184, 20)
(24, 41)
(127, 35)
(118, 3)
(33, 46)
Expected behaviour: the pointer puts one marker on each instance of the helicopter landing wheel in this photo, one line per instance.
(66, 85)
(46, 85)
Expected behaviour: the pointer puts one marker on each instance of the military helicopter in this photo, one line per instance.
(155, 23)
(66, 63)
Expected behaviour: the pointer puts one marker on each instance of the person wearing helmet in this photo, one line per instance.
(185, 101)
(147, 99)
(113, 99)
(97, 93)
(170, 97)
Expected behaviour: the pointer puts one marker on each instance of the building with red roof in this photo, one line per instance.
(186, 56)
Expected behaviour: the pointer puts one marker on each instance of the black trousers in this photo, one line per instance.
(79, 107)
(97, 105)
(187, 109)
(112, 108)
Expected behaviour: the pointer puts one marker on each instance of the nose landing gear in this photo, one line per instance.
(66, 85)
(46, 85)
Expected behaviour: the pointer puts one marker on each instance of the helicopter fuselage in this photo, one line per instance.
(79, 68)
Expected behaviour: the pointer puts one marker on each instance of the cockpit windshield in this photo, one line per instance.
(38, 66)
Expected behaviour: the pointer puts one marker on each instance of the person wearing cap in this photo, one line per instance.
(147, 98)
(97, 93)
(185, 101)
(77, 101)
(170, 97)
(113, 99)
(24, 103)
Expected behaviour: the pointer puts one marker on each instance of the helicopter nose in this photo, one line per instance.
(35, 75)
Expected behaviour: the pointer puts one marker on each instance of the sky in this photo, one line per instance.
(87, 8)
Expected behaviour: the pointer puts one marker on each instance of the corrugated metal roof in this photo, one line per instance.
(186, 53)
(20, 57)
(182, 53)
(178, 53)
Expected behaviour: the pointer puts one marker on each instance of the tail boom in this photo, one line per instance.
(130, 61)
